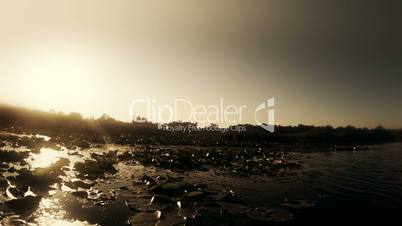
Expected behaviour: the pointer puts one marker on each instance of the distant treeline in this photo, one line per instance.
(107, 129)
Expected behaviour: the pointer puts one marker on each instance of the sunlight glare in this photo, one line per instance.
(49, 214)
(45, 158)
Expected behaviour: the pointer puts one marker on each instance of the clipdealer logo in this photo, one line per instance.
(142, 110)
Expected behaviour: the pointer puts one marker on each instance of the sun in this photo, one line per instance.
(56, 80)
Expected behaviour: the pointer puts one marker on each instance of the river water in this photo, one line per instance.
(348, 188)
(354, 188)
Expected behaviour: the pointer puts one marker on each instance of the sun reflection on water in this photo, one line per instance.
(50, 214)
(45, 158)
(51, 211)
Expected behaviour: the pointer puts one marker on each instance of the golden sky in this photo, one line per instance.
(324, 63)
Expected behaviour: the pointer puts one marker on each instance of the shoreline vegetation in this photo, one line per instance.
(82, 132)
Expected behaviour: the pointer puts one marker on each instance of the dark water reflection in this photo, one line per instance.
(354, 188)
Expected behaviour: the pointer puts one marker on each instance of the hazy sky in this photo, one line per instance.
(326, 62)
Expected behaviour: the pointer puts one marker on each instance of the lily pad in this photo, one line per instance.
(234, 208)
(165, 187)
(137, 203)
(15, 192)
(187, 212)
(145, 218)
(171, 220)
(154, 206)
(79, 184)
(226, 195)
(194, 195)
(81, 194)
(166, 198)
(24, 204)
